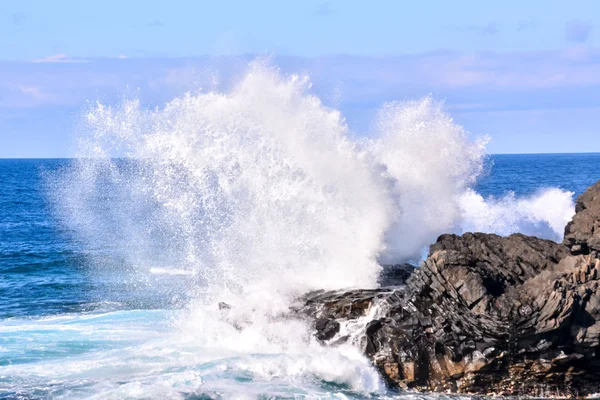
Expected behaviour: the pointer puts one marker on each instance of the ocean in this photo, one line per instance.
(64, 333)
(113, 264)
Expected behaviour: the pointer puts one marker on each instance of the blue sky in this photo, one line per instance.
(525, 73)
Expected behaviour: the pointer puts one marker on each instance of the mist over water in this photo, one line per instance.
(254, 196)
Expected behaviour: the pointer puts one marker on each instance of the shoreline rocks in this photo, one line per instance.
(483, 314)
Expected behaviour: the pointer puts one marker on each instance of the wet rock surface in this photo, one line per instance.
(395, 275)
(483, 314)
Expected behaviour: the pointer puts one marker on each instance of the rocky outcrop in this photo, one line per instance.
(582, 234)
(483, 314)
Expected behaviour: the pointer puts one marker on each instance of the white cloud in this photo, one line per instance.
(32, 91)
(60, 58)
(23, 96)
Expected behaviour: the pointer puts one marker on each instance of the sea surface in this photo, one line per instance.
(72, 327)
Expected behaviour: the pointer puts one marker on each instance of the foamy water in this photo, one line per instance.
(250, 197)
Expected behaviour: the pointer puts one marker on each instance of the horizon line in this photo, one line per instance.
(487, 154)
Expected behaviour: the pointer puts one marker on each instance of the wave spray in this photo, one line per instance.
(257, 195)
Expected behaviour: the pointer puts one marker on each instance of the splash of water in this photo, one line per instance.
(254, 196)
(240, 188)
(544, 214)
(430, 161)
(263, 190)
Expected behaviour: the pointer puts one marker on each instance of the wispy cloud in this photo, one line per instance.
(156, 24)
(38, 94)
(577, 30)
(60, 58)
(26, 95)
(491, 79)
(33, 91)
(488, 29)
(492, 90)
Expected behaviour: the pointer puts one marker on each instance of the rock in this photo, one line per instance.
(478, 268)
(326, 328)
(483, 314)
(395, 275)
(582, 234)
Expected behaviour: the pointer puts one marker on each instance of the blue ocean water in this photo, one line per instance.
(69, 331)
(43, 272)
(525, 174)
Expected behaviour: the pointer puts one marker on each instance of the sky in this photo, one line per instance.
(525, 73)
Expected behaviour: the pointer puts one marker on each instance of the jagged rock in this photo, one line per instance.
(526, 326)
(481, 267)
(582, 234)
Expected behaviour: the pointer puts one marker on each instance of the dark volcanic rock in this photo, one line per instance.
(520, 326)
(326, 328)
(481, 267)
(483, 314)
(395, 275)
(582, 234)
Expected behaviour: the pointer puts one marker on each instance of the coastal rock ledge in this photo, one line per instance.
(483, 314)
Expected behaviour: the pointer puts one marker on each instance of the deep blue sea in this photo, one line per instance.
(524, 174)
(71, 329)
